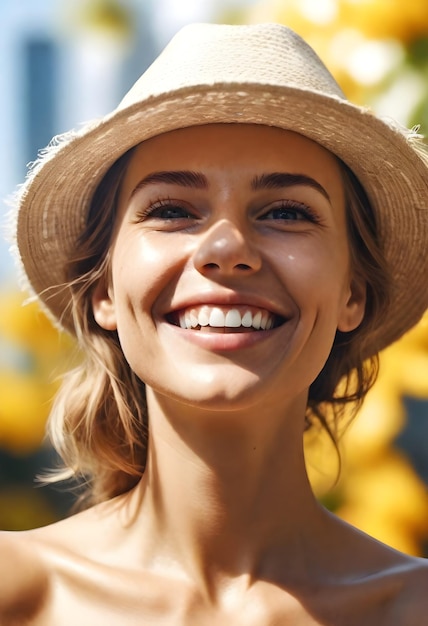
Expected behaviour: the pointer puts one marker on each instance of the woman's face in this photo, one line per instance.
(230, 269)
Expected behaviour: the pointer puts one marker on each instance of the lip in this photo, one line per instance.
(225, 342)
(221, 342)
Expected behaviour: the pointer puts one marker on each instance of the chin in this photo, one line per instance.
(229, 392)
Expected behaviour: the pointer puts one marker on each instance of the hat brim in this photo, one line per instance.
(55, 199)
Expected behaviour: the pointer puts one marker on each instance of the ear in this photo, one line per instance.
(103, 306)
(353, 310)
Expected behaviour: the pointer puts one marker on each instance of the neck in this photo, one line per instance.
(227, 493)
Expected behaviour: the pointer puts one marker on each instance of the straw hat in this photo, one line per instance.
(262, 74)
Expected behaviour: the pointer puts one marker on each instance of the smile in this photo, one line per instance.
(225, 319)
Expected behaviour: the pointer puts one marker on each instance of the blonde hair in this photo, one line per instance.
(99, 422)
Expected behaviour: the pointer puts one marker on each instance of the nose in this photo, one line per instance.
(225, 249)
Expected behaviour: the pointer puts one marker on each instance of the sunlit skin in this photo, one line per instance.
(223, 528)
(281, 249)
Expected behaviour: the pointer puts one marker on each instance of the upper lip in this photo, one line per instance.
(225, 299)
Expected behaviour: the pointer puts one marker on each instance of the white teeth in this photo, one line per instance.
(233, 319)
(215, 317)
(247, 319)
(204, 317)
(256, 320)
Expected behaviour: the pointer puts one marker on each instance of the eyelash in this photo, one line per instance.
(164, 203)
(291, 206)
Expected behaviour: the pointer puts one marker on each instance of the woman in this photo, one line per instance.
(228, 246)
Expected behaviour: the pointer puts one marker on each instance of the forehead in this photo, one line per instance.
(236, 150)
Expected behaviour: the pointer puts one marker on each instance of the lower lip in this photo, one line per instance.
(222, 342)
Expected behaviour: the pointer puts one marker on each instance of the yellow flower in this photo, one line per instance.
(387, 19)
(23, 412)
(387, 500)
(33, 355)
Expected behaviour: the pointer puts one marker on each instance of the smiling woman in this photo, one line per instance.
(231, 258)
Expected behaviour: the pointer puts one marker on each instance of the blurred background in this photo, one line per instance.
(63, 62)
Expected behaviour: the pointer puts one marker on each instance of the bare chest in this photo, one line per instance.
(126, 600)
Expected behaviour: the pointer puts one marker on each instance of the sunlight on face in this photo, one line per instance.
(230, 265)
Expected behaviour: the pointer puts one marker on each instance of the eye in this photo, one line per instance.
(290, 211)
(166, 210)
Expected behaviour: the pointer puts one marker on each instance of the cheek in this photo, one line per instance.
(143, 275)
(314, 269)
(316, 278)
(140, 269)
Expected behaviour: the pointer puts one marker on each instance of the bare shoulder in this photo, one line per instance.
(24, 579)
(411, 604)
(378, 584)
(30, 560)
(66, 553)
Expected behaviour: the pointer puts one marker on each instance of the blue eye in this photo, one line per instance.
(290, 211)
(169, 212)
(165, 210)
(284, 214)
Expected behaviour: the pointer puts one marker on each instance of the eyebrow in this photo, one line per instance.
(184, 178)
(280, 180)
(197, 180)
